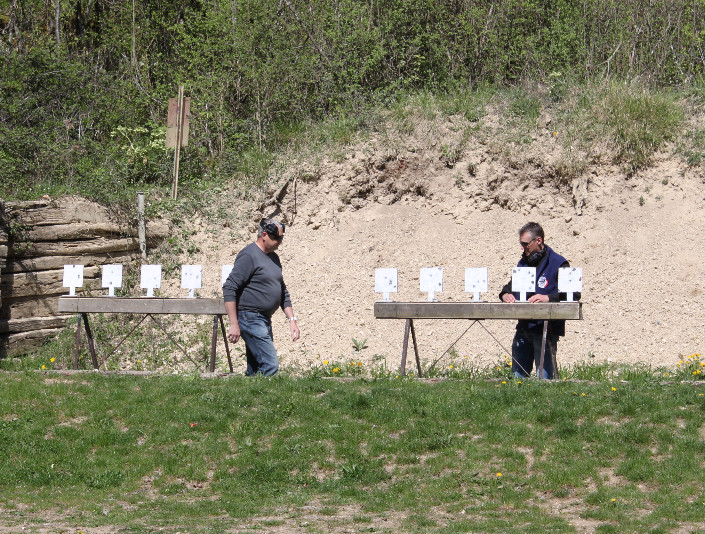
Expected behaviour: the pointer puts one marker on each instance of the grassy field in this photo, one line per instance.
(101, 453)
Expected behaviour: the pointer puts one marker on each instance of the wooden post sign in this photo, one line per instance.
(177, 123)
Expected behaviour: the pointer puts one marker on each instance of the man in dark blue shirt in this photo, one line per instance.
(526, 347)
(252, 293)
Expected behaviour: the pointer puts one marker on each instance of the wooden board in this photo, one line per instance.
(141, 305)
(477, 310)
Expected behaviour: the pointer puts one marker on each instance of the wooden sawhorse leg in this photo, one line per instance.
(409, 327)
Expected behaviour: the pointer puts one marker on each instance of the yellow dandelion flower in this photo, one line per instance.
(499, 474)
(694, 372)
(336, 369)
(614, 389)
(359, 364)
(52, 360)
(325, 362)
(504, 381)
(614, 500)
(702, 364)
(44, 367)
(450, 367)
(518, 381)
(582, 394)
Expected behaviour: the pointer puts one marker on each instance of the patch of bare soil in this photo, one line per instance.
(406, 205)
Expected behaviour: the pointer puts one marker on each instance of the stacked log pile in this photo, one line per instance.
(37, 238)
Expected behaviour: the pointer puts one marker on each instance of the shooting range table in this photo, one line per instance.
(477, 311)
(148, 307)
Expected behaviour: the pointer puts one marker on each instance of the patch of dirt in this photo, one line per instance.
(407, 205)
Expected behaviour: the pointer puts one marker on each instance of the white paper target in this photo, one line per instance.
(431, 280)
(191, 276)
(151, 278)
(225, 271)
(570, 279)
(476, 280)
(112, 278)
(386, 281)
(523, 281)
(73, 277)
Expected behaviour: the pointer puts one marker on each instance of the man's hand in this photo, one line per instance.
(538, 298)
(234, 332)
(295, 333)
(508, 298)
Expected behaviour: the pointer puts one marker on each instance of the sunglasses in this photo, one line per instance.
(527, 243)
(275, 236)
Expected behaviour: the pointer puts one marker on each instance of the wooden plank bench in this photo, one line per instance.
(149, 307)
(476, 311)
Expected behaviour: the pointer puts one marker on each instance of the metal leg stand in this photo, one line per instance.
(416, 348)
(78, 342)
(543, 348)
(405, 346)
(225, 339)
(214, 339)
(91, 345)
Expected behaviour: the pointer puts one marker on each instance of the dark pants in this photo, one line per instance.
(526, 352)
(256, 332)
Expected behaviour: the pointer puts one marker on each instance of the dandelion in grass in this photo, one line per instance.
(614, 389)
(499, 475)
(583, 395)
(614, 500)
(336, 370)
(325, 362)
(44, 367)
(450, 367)
(52, 360)
(504, 381)
(359, 364)
(518, 381)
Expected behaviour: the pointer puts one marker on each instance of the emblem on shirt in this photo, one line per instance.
(542, 283)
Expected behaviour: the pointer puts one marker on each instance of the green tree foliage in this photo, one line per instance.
(74, 72)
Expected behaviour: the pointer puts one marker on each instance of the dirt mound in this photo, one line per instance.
(434, 199)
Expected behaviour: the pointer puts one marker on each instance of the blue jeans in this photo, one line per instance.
(256, 332)
(526, 352)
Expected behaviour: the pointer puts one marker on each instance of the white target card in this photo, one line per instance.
(523, 281)
(111, 278)
(570, 280)
(476, 281)
(431, 281)
(151, 278)
(386, 282)
(73, 278)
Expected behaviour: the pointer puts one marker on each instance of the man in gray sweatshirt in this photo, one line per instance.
(252, 293)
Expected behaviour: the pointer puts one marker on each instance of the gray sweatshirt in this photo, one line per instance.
(256, 282)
